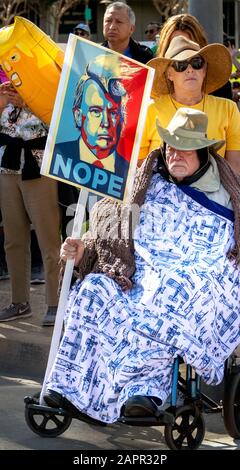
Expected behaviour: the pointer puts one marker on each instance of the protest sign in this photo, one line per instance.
(98, 118)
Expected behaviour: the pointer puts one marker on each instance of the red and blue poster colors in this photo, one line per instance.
(98, 119)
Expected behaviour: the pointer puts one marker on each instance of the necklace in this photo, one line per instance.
(183, 105)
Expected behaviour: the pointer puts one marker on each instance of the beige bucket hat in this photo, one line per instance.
(217, 57)
(188, 131)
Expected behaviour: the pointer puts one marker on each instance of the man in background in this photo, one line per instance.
(152, 34)
(118, 26)
(152, 30)
(82, 30)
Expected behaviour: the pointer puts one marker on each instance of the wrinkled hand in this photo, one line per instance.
(72, 248)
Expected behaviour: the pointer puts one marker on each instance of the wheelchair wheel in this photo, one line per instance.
(188, 430)
(46, 422)
(231, 404)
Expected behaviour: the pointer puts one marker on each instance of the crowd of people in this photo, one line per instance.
(165, 288)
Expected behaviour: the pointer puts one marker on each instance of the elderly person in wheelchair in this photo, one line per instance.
(158, 278)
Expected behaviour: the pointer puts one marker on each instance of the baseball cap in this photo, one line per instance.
(83, 27)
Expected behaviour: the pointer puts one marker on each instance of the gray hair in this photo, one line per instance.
(120, 6)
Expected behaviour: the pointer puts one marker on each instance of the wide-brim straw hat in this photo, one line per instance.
(216, 56)
(188, 131)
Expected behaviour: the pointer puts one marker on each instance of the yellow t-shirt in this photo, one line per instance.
(223, 122)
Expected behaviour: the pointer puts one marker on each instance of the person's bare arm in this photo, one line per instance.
(233, 158)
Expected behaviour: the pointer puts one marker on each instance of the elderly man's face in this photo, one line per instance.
(116, 26)
(181, 163)
(100, 120)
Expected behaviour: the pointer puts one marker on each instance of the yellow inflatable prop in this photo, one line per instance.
(33, 63)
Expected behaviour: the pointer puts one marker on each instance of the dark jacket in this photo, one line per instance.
(138, 51)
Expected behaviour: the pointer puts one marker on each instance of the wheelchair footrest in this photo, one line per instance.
(32, 404)
(161, 420)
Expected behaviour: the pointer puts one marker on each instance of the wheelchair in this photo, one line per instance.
(184, 426)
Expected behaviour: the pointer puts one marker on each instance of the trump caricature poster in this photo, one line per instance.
(98, 118)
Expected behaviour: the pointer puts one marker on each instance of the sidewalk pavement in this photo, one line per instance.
(16, 435)
(24, 344)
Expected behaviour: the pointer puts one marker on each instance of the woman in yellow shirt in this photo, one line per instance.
(184, 77)
(188, 25)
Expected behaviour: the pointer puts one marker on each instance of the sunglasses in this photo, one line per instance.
(150, 31)
(81, 33)
(196, 63)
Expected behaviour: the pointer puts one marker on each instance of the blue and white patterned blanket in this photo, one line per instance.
(185, 300)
